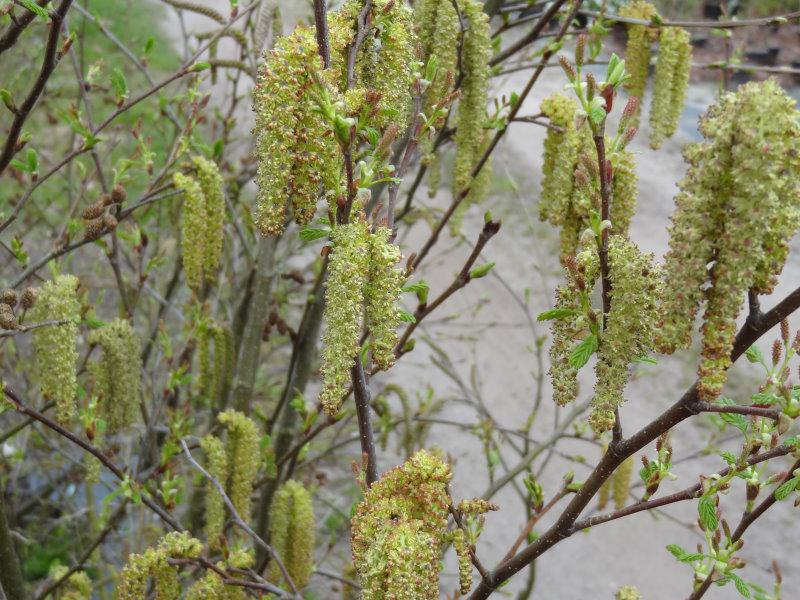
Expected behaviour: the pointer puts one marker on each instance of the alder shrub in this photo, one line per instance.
(195, 403)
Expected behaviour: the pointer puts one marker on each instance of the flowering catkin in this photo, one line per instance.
(622, 483)
(118, 373)
(292, 529)
(295, 148)
(671, 80)
(344, 301)
(380, 296)
(217, 466)
(55, 346)
(629, 326)
(212, 187)
(637, 51)
(193, 226)
(560, 155)
(243, 458)
(78, 585)
(438, 30)
(628, 592)
(398, 528)
(738, 207)
(153, 564)
(471, 134)
(212, 586)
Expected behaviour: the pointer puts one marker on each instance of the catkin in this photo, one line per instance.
(55, 346)
(560, 155)
(638, 49)
(243, 458)
(622, 483)
(671, 80)
(118, 373)
(630, 325)
(738, 206)
(380, 296)
(398, 528)
(471, 135)
(462, 548)
(628, 592)
(292, 529)
(218, 467)
(344, 301)
(438, 30)
(193, 229)
(212, 187)
(132, 584)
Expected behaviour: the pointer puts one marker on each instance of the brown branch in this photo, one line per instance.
(617, 453)
(17, 26)
(52, 55)
(321, 25)
(93, 450)
(774, 20)
(362, 399)
(756, 411)
(532, 35)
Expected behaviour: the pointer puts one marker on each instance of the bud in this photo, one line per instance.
(118, 194)
(92, 212)
(628, 136)
(796, 342)
(776, 352)
(9, 297)
(591, 86)
(568, 68)
(752, 491)
(631, 109)
(94, 229)
(28, 298)
(7, 318)
(580, 48)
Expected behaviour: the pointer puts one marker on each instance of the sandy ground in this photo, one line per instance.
(489, 339)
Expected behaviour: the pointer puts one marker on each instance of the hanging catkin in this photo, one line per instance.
(292, 529)
(671, 81)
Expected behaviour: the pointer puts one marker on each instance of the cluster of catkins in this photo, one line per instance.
(439, 29)
(672, 68)
(296, 145)
(117, 374)
(363, 279)
(99, 217)
(214, 586)
(215, 375)
(78, 586)
(202, 222)
(398, 529)
(153, 565)
(570, 176)
(625, 333)
(738, 207)
(292, 529)
(56, 346)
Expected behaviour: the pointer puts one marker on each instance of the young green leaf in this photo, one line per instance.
(582, 352)
(754, 355)
(309, 234)
(481, 271)
(119, 83)
(407, 317)
(707, 508)
(786, 488)
(556, 314)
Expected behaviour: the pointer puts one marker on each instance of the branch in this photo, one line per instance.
(321, 24)
(362, 400)
(51, 58)
(93, 450)
(532, 35)
(32, 326)
(617, 453)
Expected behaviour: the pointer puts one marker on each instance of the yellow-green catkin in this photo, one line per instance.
(213, 587)
(624, 192)
(560, 154)
(204, 373)
(292, 528)
(628, 592)
(438, 30)
(78, 586)
(152, 564)
(387, 62)
(344, 301)
(604, 493)
(381, 293)
(671, 81)
(243, 458)
(212, 185)
(193, 229)
(629, 327)
(461, 545)
(222, 369)
(295, 148)
(55, 346)
(118, 373)
(622, 483)
(398, 529)
(217, 466)
(738, 208)
(471, 135)
(638, 49)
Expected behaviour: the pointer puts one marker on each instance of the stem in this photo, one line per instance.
(362, 399)
(11, 580)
